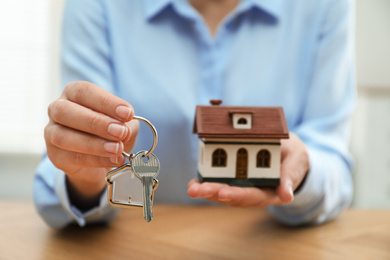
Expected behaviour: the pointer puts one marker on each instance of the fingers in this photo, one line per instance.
(249, 197)
(285, 191)
(295, 162)
(234, 196)
(191, 182)
(88, 127)
(75, 116)
(91, 96)
(81, 142)
(205, 190)
(288, 175)
(70, 149)
(129, 142)
(71, 162)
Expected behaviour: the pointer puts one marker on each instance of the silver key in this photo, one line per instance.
(146, 169)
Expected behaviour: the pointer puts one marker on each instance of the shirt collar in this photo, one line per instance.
(153, 7)
(273, 8)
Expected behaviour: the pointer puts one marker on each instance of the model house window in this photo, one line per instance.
(263, 159)
(219, 158)
(242, 121)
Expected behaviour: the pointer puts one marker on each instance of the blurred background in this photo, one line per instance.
(29, 81)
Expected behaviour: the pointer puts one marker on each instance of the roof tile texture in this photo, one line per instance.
(216, 122)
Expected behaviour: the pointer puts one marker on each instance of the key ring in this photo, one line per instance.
(154, 137)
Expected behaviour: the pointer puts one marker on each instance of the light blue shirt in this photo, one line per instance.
(159, 56)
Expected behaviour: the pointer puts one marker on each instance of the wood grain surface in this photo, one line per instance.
(194, 232)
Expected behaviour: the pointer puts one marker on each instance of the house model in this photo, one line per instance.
(240, 146)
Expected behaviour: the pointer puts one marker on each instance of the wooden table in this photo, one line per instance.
(188, 232)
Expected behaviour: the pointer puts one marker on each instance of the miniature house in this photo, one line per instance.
(240, 145)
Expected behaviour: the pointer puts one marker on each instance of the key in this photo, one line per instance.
(146, 169)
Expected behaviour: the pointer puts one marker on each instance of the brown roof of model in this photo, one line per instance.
(216, 122)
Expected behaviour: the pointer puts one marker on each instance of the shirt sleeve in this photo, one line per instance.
(325, 123)
(52, 203)
(85, 56)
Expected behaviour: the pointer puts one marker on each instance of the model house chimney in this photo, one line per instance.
(215, 102)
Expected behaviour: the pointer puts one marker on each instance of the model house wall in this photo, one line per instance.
(206, 150)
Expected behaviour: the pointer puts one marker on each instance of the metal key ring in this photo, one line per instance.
(154, 136)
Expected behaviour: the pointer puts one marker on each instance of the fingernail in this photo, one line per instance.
(123, 112)
(290, 190)
(114, 160)
(111, 147)
(116, 130)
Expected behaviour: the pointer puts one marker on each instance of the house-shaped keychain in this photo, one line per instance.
(240, 145)
(124, 188)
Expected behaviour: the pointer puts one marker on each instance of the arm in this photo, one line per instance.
(82, 137)
(326, 123)
(315, 172)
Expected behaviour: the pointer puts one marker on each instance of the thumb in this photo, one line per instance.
(285, 191)
(130, 138)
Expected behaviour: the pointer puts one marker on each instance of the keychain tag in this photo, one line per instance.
(121, 180)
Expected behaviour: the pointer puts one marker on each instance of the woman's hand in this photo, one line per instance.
(87, 132)
(294, 167)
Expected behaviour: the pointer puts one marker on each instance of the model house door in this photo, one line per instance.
(242, 164)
